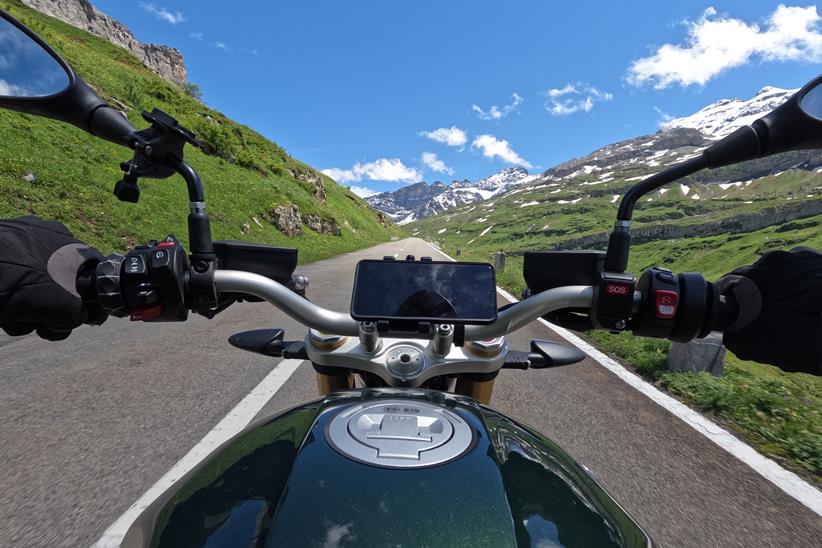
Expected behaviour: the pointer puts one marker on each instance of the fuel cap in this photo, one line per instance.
(399, 434)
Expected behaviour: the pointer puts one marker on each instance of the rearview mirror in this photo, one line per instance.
(29, 68)
(811, 101)
(34, 79)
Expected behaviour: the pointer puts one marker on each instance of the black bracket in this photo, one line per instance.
(157, 153)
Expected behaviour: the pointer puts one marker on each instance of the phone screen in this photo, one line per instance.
(424, 291)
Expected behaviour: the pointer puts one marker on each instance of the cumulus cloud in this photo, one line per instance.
(197, 35)
(573, 98)
(362, 192)
(383, 169)
(715, 44)
(173, 17)
(497, 113)
(492, 147)
(451, 136)
(435, 164)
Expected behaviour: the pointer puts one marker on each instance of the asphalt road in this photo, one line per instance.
(89, 424)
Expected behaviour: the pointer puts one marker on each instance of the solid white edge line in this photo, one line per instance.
(236, 419)
(787, 481)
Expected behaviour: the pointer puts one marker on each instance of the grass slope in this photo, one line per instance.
(244, 175)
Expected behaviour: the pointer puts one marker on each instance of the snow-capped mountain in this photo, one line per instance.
(622, 163)
(414, 202)
(721, 118)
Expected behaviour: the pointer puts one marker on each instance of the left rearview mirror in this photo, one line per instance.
(28, 67)
(34, 79)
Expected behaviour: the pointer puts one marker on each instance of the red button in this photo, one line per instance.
(665, 304)
(146, 314)
(163, 245)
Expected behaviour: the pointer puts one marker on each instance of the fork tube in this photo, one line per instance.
(329, 383)
(478, 389)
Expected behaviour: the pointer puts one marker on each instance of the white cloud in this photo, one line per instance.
(362, 192)
(383, 169)
(664, 117)
(435, 164)
(497, 113)
(163, 14)
(451, 136)
(492, 147)
(715, 44)
(573, 98)
(220, 45)
(197, 35)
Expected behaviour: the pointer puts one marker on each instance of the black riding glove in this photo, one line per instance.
(780, 310)
(39, 262)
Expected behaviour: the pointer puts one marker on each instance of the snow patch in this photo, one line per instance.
(526, 204)
(685, 189)
(440, 231)
(486, 231)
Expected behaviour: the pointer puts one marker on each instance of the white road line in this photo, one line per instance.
(785, 480)
(236, 419)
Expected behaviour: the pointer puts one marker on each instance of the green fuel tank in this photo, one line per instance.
(387, 467)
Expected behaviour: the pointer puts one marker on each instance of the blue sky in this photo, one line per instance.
(381, 93)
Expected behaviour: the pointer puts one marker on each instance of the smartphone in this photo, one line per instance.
(424, 291)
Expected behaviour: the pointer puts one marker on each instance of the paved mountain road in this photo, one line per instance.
(89, 424)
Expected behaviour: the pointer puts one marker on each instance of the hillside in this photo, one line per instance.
(252, 185)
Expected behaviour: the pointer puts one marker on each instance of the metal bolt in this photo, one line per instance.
(200, 266)
(148, 150)
(490, 347)
(620, 324)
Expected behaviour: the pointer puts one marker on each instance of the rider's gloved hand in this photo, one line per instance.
(780, 310)
(39, 262)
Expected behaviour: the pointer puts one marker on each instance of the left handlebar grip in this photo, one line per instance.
(100, 299)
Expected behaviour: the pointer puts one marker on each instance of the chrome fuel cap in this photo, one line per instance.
(399, 434)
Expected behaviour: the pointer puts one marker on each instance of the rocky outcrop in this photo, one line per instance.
(322, 226)
(287, 219)
(315, 180)
(164, 60)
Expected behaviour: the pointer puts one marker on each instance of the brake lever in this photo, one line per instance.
(544, 354)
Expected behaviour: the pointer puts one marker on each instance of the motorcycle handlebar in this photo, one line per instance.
(337, 323)
(165, 298)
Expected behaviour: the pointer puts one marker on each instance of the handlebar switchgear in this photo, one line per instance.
(148, 284)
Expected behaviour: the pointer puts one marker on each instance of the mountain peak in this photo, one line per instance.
(724, 116)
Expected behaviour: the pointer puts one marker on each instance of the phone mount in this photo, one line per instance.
(158, 154)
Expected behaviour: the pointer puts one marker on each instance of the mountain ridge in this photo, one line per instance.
(677, 139)
(165, 61)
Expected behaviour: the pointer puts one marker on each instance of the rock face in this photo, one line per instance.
(286, 219)
(164, 60)
(323, 226)
(313, 178)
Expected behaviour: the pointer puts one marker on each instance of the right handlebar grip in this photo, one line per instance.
(725, 313)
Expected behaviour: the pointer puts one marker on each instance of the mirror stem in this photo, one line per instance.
(619, 243)
(199, 224)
